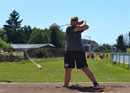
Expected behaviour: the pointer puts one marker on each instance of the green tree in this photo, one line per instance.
(3, 35)
(13, 28)
(39, 36)
(46, 33)
(26, 33)
(120, 44)
(102, 49)
(57, 37)
(3, 38)
(107, 46)
(3, 45)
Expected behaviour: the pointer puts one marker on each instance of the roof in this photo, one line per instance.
(30, 46)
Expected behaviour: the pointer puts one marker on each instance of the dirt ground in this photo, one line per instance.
(77, 87)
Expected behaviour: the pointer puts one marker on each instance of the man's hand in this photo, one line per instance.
(85, 27)
(82, 26)
(83, 23)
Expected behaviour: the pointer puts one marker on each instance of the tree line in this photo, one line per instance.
(13, 33)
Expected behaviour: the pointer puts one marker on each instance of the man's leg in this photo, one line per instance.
(89, 74)
(67, 76)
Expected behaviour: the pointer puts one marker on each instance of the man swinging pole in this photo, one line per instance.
(74, 52)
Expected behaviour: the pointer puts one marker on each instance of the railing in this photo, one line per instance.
(123, 58)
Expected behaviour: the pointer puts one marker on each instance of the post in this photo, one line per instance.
(116, 57)
(110, 57)
(129, 61)
(119, 59)
(123, 59)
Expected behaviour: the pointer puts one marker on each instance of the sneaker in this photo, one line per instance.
(65, 86)
(96, 85)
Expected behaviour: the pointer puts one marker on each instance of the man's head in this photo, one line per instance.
(74, 20)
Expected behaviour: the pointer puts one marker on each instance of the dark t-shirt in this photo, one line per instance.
(73, 39)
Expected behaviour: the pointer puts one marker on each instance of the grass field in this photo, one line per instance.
(53, 71)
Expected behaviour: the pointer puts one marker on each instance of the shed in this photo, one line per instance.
(22, 47)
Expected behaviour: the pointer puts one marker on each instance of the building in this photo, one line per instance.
(113, 49)
(27, 47)
(90, 47)
(32, 50)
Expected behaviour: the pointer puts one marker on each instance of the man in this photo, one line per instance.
(74, 52)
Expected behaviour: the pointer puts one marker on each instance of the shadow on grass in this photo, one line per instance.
(85, 89)
(5, 81)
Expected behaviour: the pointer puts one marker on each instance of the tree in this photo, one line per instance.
(46, 33)
(13, 28)
(3, 45)
(26, 33)
(107, 46)
(102, 49)
(126, 39)
(57, 37)
(120, 44)
(3, 35)
(39, 36)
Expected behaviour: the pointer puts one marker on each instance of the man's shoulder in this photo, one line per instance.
(70, 27)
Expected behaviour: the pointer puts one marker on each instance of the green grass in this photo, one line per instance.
(53, 71)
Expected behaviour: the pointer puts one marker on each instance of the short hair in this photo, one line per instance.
(75, 18)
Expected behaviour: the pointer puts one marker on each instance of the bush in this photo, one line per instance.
(4, 45)
(102, 49)
(40, 53)
(9, 57)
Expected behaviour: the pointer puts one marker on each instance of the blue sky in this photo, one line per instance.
(107, 19)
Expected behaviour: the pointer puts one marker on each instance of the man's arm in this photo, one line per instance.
(81, 27)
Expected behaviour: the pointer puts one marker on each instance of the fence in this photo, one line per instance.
(123, 58)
